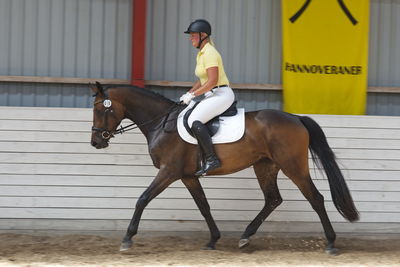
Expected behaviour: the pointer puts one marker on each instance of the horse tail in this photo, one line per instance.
(321, 153)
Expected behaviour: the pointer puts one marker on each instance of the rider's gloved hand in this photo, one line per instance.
(186, 98)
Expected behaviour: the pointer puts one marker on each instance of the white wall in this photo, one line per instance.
(52, 179)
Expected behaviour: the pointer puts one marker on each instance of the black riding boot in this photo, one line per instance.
(204, 139)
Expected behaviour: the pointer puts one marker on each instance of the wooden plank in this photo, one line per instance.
(91, 226)
(99, 157)
(163, 83)
(48, 213)
(129, 168)
(144, 159)
(57, 134)
(344, 144)
(98, 226)
(253, 86)
(78, 180)
(370, 133)
(75, 169)
(179, 193)
(208, 182)
(256, 86)
(370, 164)
(364, 143)
(63, 225)
(350, 121)
(326, 121)
(173, 204)
(62, 80)
(146, 171)
(42, 126)
(129, 203)
(66, 137)
(379, 154)
(138, 147)
(226, 181)
(82, 147)
(120, 214)
(45, 113)
(383, 89)
(39, 137)
(142, 181)
(360, 174)
(45, 151)
(58, 158)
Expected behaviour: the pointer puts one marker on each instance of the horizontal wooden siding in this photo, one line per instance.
(52, 179)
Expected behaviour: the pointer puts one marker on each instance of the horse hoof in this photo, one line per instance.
(332, 251)
(244, 242)
(125, 245)
(209, 247)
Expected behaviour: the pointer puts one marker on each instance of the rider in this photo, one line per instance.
(214, 84)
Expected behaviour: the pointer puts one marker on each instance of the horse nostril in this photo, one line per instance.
(94, 143)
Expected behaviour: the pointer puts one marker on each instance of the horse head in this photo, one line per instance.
(108, 112)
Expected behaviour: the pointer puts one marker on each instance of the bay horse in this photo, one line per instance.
(273, 140)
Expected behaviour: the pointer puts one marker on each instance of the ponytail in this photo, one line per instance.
(211, 41)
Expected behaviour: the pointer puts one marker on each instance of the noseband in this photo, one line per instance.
(104, 133)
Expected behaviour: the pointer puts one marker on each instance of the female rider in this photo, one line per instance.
(214, 84)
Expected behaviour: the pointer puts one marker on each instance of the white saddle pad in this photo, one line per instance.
(231, 128)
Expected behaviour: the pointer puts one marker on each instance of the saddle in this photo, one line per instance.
(214, 124)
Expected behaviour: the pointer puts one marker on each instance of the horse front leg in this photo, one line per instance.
(163, 179)
(197, 192)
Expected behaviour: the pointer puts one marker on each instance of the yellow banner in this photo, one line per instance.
(325, 56)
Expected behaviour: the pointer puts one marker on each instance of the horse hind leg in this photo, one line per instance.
(266, 172)
(316, 199)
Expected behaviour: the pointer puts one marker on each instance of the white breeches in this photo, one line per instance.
(212, 105)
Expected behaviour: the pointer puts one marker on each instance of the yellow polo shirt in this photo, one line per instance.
(209, 57)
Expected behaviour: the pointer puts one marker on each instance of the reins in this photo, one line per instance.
(123, 129)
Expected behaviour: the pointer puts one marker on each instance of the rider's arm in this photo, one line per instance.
(212, 74)
(195, 86)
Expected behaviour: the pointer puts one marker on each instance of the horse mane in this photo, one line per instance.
(144, 91)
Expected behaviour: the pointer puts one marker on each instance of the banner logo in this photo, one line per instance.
(323, 69)
(341, 4)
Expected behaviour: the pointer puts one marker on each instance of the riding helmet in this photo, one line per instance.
(199, 25)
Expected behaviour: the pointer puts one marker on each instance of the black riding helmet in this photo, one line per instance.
(200, 25)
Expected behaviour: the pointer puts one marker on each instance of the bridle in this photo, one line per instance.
(106, 134)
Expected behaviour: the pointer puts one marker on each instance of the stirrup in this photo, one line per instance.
(209, 165)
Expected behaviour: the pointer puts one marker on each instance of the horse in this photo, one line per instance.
(273, 140)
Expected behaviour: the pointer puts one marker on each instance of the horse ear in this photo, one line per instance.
(100, 87)
(97, 88)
